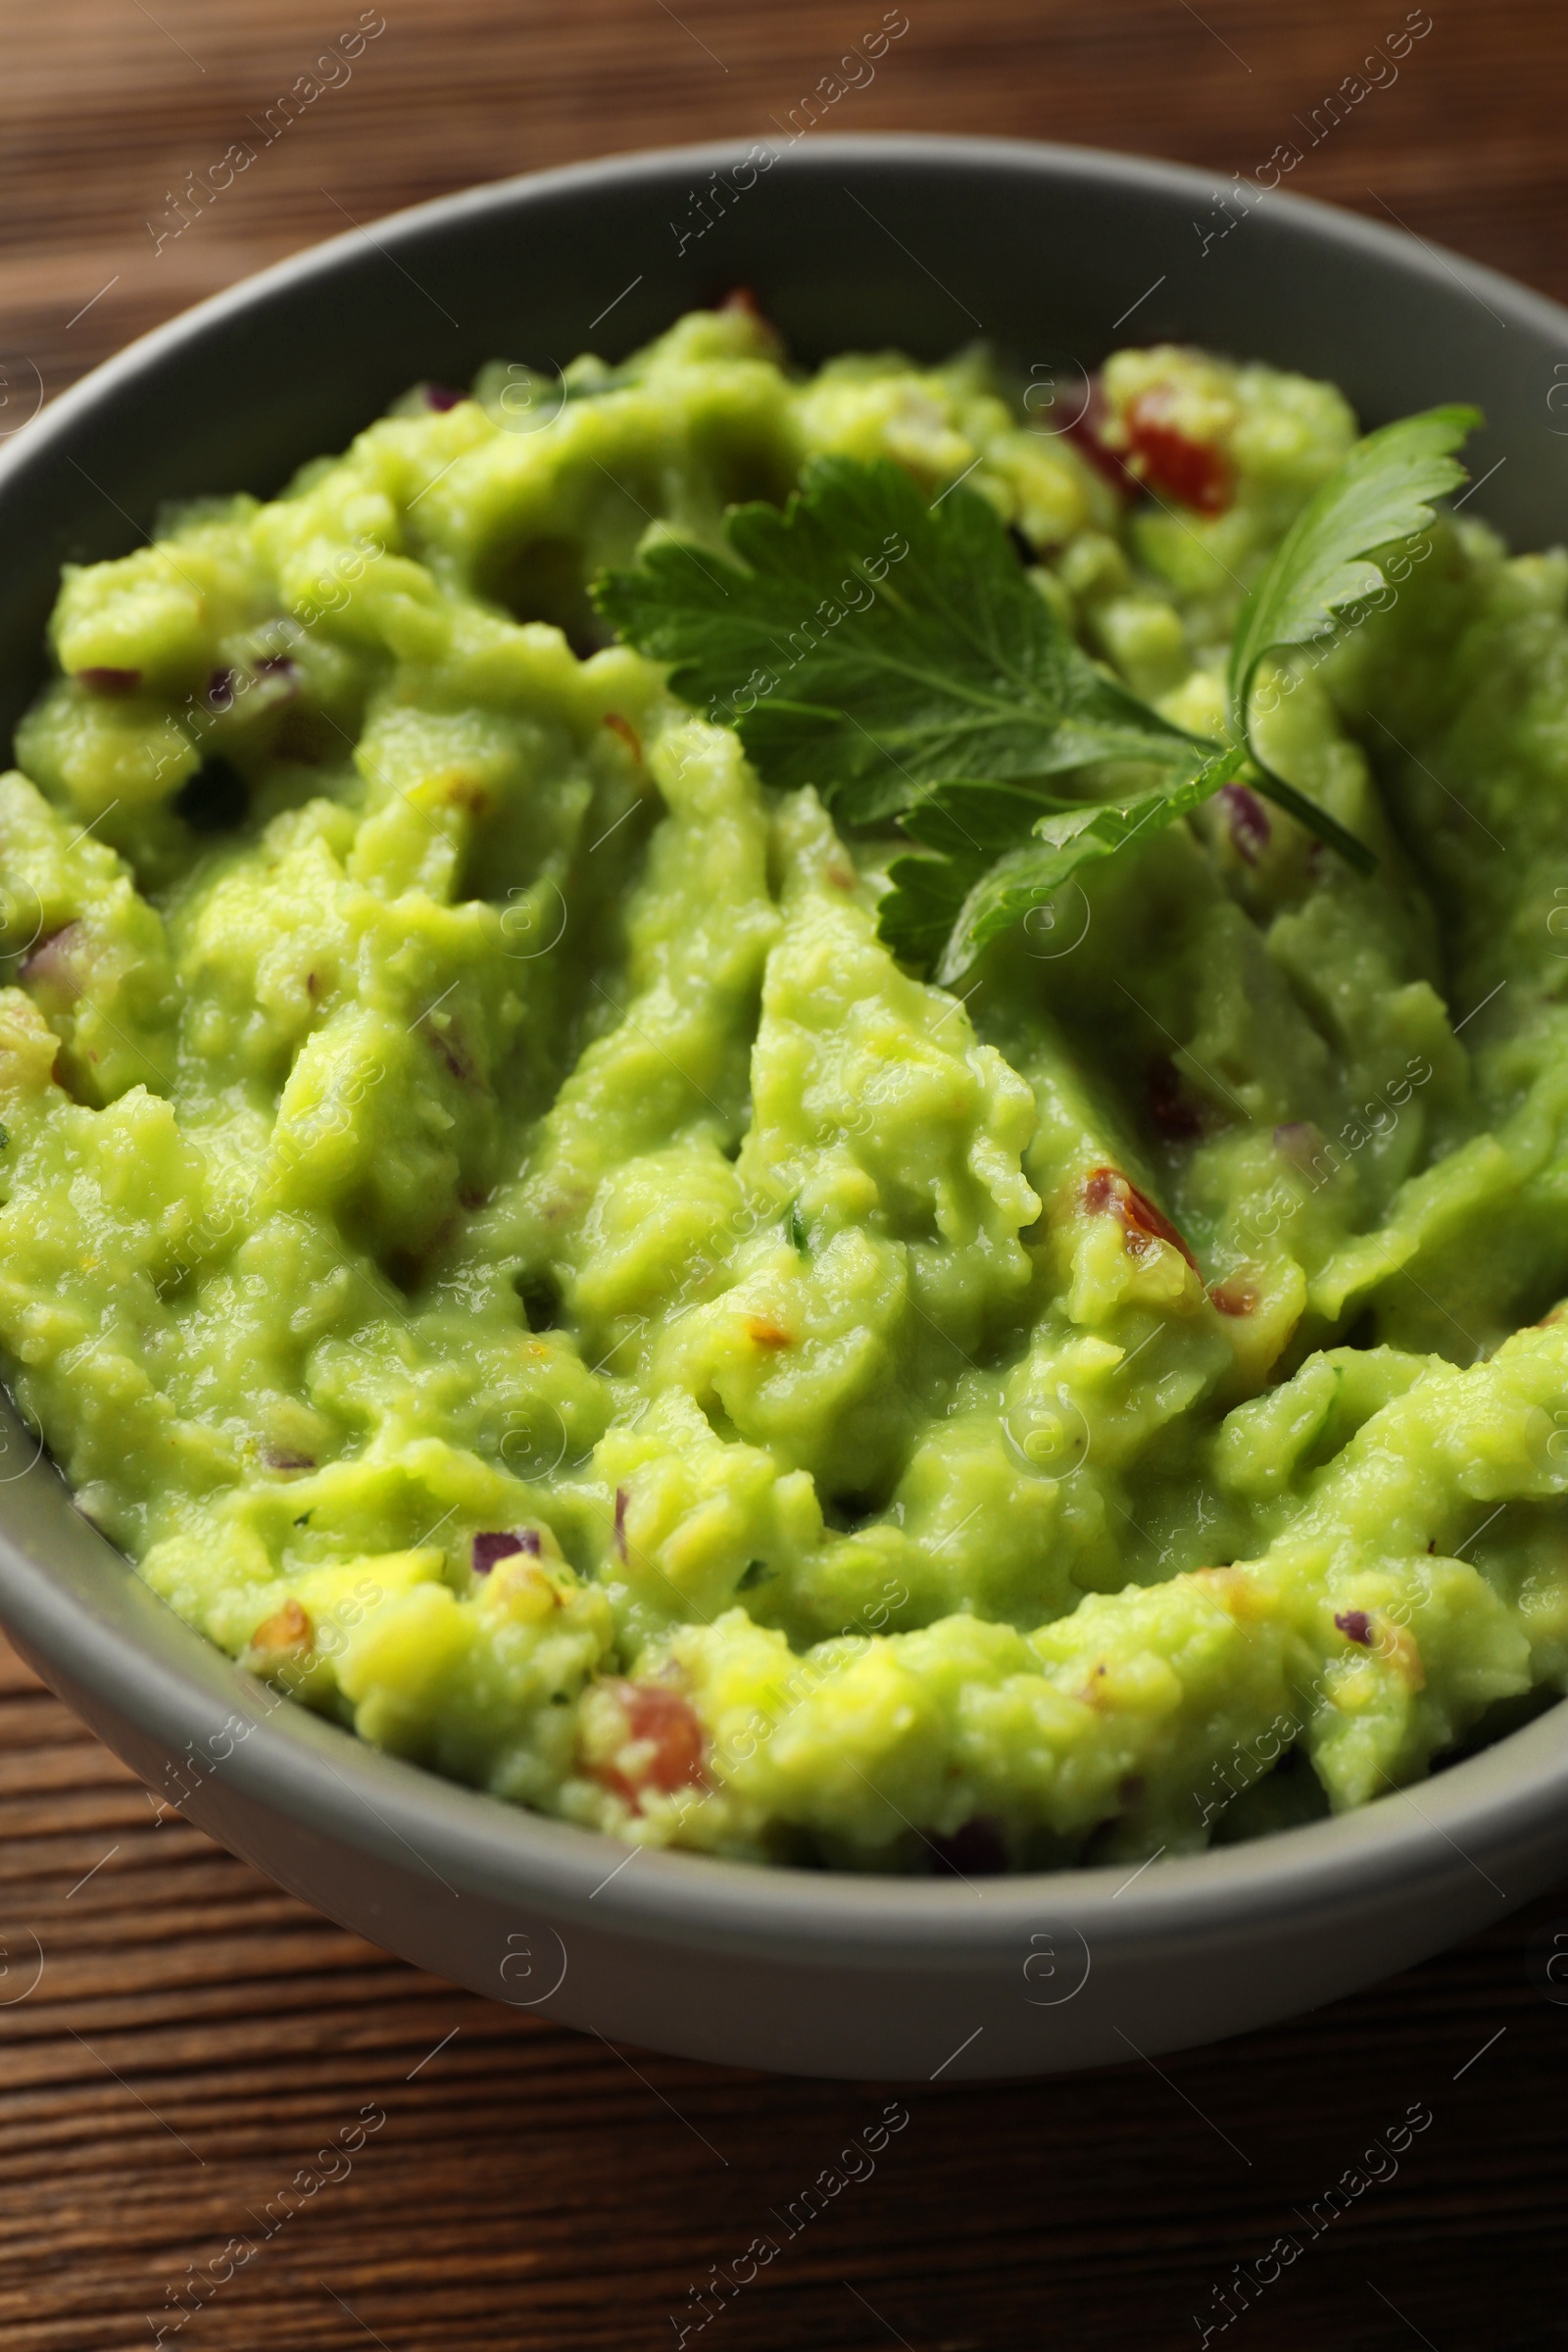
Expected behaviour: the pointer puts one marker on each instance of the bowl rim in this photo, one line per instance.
(1352, 233)
(174, 1682)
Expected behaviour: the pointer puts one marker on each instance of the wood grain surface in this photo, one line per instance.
(178, 2041)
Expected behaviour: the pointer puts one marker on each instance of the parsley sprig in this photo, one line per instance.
(895, 656)
(1324, 568)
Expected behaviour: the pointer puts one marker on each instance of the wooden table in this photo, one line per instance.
(178, 2041)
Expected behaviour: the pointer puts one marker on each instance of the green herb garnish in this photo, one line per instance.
(1324, 566)
(874, 646)
(897, 656)
(998, 863)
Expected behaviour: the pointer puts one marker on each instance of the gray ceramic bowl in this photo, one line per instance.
(848, 242)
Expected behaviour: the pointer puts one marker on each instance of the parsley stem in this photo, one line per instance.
(1316, 820)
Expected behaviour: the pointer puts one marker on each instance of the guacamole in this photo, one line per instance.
(493, 1233)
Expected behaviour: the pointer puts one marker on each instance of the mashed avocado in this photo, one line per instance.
(490, 1229)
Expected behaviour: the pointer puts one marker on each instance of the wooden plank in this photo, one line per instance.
(194, 2037)
(109, 111)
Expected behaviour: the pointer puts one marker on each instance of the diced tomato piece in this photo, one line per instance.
(1158, 456)
(1234, 1298)
(1142, 1222)
(1086, 434)
(673, 1724)
(667, 1727)
(1195, 474)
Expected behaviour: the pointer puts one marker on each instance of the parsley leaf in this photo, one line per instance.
(1324, 565)
(895, 656)
(1003, 852)
(874, 646)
